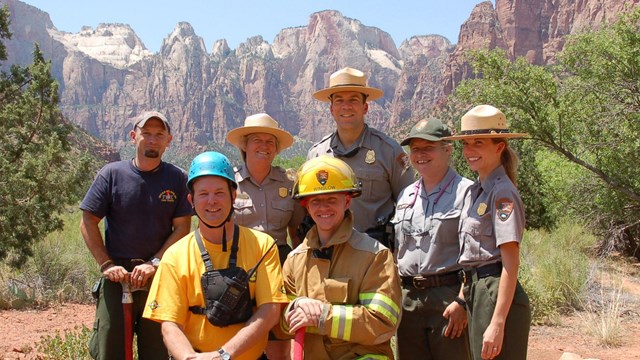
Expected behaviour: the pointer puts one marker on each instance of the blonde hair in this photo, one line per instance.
(509, 159)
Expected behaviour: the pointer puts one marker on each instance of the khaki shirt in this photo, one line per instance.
(426, 226)
(360, 285)
(380, 164)
(267, 207)
(492, 215)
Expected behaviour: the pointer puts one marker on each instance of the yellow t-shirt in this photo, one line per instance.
(176, 286)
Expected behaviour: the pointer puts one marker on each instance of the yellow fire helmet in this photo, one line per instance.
(323, 175)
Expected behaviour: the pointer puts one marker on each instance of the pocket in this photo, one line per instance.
(336, 291)
(243, 206)
(283, 211)
(94, 343)
(375, 184)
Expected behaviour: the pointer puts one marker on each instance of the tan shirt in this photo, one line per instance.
(380, 164)
(267, 207)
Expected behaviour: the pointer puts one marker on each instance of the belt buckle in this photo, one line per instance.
(419, 278)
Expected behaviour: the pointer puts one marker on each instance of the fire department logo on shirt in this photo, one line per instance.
(322, 176)
(153, 305)
(167, 196)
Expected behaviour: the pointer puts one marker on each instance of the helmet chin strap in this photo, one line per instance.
(223, 223)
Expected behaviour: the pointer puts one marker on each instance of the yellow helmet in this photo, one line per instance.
(323, 175)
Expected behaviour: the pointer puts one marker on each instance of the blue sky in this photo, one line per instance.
(237, 20)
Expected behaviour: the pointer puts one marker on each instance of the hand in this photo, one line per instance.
(141, 275)
(214, 355)
(457, 316)
(307, 312)
(115, 273)
(492, 341)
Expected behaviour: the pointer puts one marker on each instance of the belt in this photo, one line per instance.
(431, 281)
(480, 272)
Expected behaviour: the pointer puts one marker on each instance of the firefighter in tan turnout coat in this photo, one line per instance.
(343, 284)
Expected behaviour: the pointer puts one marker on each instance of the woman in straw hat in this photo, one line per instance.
(491, 228)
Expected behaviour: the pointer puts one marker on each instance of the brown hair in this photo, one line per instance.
(509, 159)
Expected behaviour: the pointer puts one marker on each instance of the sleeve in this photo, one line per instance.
(167, 302)
(508, 217)
(184, 207)
(97, 199)
(269, 288)
(402, 174)
(282, 332)
(376, 316)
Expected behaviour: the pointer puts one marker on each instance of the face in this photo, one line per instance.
(211, 199)
(151, 140)
(482, 154)
(430, 158)
(327, 210)
(261, 147)
(348, 109)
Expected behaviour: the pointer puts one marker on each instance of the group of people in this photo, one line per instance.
(393, 244)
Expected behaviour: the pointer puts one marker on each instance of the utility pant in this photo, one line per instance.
(481, 295)
(107, 340)
(421, 330)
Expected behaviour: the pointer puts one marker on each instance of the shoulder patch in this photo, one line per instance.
(504, 208)
(403, 161)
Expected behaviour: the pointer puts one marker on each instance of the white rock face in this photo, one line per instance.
(113, 44)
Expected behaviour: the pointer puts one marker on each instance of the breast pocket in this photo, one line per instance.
(336, 291)
(243, 207)
(282, 212)
(375, 184)
(479, 234)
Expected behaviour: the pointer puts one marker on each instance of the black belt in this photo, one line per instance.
(480, 272)
(431, 281)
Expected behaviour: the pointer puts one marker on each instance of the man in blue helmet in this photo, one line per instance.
(199, 294)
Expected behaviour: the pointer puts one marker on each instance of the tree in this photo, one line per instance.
(41, 173)
(586, 109)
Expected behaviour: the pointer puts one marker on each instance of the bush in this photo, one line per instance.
(555, 269)
(72, 344)
(61, 270)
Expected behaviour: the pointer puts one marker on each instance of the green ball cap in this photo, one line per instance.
(431, 129)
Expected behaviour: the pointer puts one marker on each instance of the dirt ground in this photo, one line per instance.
(20, 330)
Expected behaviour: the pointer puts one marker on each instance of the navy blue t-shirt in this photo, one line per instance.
(138, 206)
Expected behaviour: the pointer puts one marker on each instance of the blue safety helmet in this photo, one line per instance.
(210, 163)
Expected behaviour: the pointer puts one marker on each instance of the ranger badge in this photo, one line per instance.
(482, 208)
(370, 158)
(283, 192)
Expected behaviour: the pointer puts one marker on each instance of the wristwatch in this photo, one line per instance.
(155, 262)
(224, 355)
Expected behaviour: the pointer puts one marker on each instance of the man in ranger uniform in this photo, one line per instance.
(378, 161)
(343, 284)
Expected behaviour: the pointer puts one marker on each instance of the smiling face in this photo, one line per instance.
(482, 154)
(151, 140)
(211, 199)
(430, 158)
(348, 109)
(261, 147)
(327, 210)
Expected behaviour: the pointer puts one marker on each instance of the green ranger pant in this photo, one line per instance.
(421, 331)
(107, 340)
(481, 296)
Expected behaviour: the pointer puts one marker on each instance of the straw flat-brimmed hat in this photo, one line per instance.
(260, 123)
(348, 79)
(484, 121)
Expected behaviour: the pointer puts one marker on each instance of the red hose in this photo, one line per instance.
(127, 308)
(298, 345)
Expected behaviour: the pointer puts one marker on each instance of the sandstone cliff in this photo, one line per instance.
(107, 75)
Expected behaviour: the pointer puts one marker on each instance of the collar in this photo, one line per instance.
(342, 235)
(496, 175)
(244, 174)
(363, 141)
(443, 186)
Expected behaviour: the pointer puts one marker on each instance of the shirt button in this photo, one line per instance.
(261, 205)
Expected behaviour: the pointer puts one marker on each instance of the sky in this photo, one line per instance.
(237, 20)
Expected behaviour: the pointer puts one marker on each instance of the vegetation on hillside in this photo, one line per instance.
(41, 173)
(583, 120)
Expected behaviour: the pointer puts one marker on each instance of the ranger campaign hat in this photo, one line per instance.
(260, 123)
(348, 79)
(484, 121)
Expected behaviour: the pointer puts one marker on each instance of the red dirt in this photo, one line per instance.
(21, 330)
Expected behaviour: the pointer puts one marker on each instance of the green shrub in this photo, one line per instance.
(555, 269)
(72, 344)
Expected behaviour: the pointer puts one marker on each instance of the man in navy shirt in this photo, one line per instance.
(144, 202)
